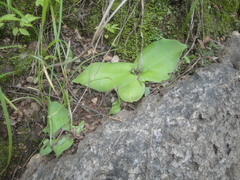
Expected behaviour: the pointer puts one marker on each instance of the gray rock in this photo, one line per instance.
(191, 132)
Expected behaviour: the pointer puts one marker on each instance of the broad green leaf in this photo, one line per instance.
(115, 107)
(62, 144)
(106, 76)
(132, 91)
(159, 59)
(9, 17)
(153, 76)
(46, 148)
(15, 31)
(1, 25)
(57, 118)
(24, 32)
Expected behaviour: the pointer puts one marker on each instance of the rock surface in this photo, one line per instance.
(191, 132)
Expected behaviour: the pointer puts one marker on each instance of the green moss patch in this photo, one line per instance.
(163, 19)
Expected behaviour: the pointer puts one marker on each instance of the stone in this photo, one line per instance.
(190, 132)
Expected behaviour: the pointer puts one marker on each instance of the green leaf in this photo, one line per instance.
(187, 60)
(3, 100)
(194, 4)
(13, 9)
(28, 25)
(111, 28)
(159, 59)
(147, 91)
(1, 24)
(46, 148)
(15, 31)
(57, 118)
(50, 57)
(62, 144)
(39, 2)
(153, 76)
(28, 18)
(6, 47)
(132, 91)
(31, 17)
(115, 107)
(24, 32)
(106, 76)
(9, 17)
(79, 128)
(5, 74)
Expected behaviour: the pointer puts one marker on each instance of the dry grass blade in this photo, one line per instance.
(105, 20)
(48, 78)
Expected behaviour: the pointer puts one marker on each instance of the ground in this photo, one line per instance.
(22, 87)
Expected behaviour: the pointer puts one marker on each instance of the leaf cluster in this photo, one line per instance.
(24, 22)
(154, 64)
(57, 123)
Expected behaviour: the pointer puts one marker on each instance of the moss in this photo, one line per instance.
(219, 17)
(3, 153)
(129, 47)
(23, 146)
(159, 22)
(130, 40)
(26, 6)
(165, 19)
(226, 6)
(19, 62)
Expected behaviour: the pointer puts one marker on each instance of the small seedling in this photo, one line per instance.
(24, 22)
(110, 28)
(59, 129)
